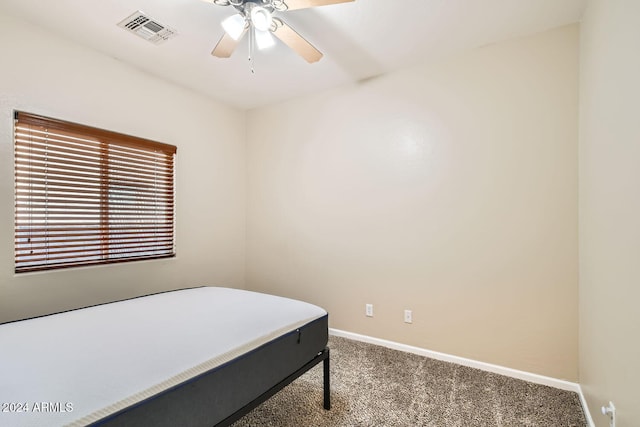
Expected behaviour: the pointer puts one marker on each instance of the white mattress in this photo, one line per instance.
(102, 359)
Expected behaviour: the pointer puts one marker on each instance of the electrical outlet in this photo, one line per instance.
(408, 316)
(368, 310)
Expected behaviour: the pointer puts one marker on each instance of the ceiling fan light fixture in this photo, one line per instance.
(256, 18)
(261, 18)
(264, 39)
(234, 26)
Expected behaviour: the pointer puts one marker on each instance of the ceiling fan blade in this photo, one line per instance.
(296, 42)
(226, 46)
(303, 4)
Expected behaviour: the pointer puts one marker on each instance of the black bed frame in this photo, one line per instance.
(323, 356)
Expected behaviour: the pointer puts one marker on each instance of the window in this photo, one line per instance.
(86, 196)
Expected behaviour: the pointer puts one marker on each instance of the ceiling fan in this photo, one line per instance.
(256, 18)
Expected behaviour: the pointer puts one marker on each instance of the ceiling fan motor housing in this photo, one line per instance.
(246, 6)
(258, 13)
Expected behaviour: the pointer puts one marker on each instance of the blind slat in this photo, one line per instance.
(131, 254)
(78, 207)
(87, 262)
(44, 140)
(45, 175)
(27, 162)
(51, 249)
(57, 250)
(42, 189)
(69, 198)
(46, 148)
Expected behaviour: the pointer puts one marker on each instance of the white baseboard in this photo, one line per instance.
(585, 407)
(496, 369)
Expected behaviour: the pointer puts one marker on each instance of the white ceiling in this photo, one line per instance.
(360, 39)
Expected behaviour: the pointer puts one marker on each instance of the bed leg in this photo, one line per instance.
(327, 382)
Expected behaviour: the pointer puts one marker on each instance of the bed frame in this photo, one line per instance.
(321, 357)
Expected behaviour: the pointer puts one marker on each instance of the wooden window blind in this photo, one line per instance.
(86, 196)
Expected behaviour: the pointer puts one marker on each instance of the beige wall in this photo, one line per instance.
(44, 74)
(610, 208)
(448, 188)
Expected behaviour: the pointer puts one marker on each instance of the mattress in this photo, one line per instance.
(90, 365)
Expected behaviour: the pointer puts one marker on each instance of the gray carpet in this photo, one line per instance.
(376, 386)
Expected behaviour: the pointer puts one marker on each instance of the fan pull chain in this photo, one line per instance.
(251, 43)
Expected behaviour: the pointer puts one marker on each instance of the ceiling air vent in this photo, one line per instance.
(147, 28)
